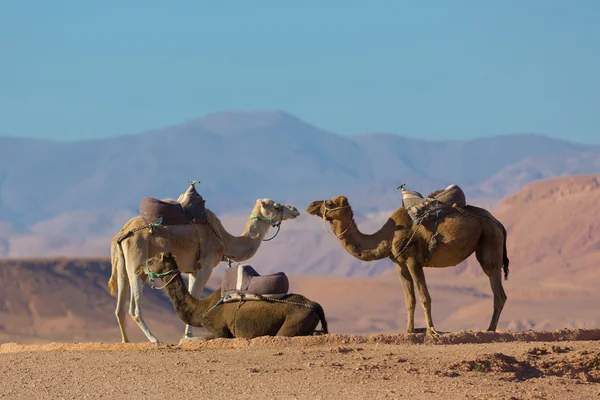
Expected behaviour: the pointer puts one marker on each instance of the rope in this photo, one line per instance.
(152, 276)
(166, 284)
(465, 212)
(150, 226)
(271, 221)
(235, 316)
(325, 221)
(213, 307)
(276, 233)
(415, 229)
(285, 301)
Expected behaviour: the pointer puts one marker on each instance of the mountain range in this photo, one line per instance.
(239, 157)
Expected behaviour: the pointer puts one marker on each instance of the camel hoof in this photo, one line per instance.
(185, 339)
(432, 332)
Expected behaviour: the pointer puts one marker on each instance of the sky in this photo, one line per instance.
(449, 69)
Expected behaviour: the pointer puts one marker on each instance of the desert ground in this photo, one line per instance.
(563, 364)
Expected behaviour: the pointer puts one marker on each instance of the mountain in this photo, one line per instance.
(67, 299)
(240, 157)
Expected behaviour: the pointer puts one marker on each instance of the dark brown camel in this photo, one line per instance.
(294, 316)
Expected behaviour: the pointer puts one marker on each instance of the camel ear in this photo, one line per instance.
(264, 202)
(341, 201)
(161, 256)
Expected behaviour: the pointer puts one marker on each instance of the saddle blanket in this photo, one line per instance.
(423, 209)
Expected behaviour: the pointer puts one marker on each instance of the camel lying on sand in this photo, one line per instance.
(198, 247)
(461, 231)
(292, 315)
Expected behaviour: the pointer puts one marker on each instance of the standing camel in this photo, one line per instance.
(198, 248)
(407, 245)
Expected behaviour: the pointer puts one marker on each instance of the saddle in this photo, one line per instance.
(418, 206)
(188, 209)
(242, 282)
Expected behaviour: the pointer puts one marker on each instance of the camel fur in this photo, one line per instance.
(247, 319)
(197, 248)
(459, 235)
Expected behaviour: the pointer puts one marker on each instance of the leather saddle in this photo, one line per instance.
(188, 209)
(243, 282)
(418, 206)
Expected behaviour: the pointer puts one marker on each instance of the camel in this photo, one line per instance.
(293, 315)
(198, 247)
(461, 231)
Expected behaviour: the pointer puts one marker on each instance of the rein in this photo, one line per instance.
(273, 224)
(325, 221)
(153, 276)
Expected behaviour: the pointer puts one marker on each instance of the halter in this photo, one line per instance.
(152, 276)
(271, 221)
(325, 221)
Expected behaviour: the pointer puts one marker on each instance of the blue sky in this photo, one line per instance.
(437, 69)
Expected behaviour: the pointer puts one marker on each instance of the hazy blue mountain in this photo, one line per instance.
(240, 157)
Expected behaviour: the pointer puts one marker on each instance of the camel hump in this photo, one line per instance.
(245, 280)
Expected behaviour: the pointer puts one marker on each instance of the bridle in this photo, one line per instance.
(325, 221)
(153, 276)
(272, 222)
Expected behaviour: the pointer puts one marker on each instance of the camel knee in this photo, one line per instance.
(501, 299)
(135, 314)
(120, 314)
(425, 299)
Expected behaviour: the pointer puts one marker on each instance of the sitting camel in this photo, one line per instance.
(292, 315)
(198, 247)
(461, 231)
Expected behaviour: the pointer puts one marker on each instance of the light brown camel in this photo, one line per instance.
(293, 315)
(459, 235)
(198, 250)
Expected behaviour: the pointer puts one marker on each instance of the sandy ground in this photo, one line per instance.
(562, 364)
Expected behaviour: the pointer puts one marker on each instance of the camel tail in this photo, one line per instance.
(321, 315)
(505, 260)
(116, 257)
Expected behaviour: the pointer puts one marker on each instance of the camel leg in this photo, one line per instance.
(299, 325)
(489, 255)
(418, 276)
(196, 284)
(409, 296)
(122, 284)
(187, 333)
(495, 275)
(136, 285)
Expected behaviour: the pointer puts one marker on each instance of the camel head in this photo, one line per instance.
(160, 263)
(337, 208)
(275, 212)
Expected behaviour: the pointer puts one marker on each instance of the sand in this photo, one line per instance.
(562, 364)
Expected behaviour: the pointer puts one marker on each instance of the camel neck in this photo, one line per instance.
(365, 247)
(243, 247)
(189, 309)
